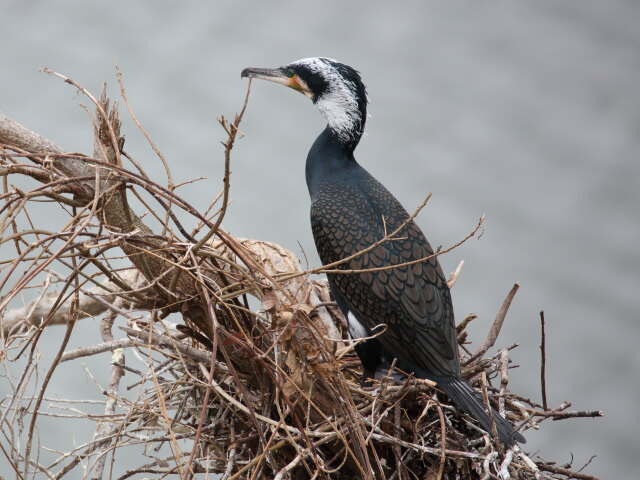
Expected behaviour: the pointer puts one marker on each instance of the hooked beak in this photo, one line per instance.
(278, 75)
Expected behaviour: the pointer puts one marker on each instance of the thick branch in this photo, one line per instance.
(14, 134)
(20, 139)
(92, 302)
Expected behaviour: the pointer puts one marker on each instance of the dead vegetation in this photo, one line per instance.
(227, 357)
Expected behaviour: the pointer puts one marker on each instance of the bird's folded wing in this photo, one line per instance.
(412, 299)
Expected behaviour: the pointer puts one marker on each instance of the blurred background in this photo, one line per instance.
(527, 111)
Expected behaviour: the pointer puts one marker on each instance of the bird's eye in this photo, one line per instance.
(289, 72)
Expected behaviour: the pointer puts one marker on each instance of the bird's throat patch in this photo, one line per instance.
(294, 83)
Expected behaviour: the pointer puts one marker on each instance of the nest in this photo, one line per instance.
(238, 357)
(283, 398)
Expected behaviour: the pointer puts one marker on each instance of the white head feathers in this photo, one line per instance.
(339, 101)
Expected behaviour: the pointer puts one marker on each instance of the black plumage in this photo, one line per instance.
(351, 211)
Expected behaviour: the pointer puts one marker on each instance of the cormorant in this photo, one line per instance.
(350, 212)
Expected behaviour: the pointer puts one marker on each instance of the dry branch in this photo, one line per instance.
(91, 303)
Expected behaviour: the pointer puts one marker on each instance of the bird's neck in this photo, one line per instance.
(345, 110)
(330, 159)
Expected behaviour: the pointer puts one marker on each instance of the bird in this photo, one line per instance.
(399, 283)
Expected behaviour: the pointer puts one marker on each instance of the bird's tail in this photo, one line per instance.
(470, 401)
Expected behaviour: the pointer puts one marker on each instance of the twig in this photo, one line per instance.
(443, 442)
(565, 471)
(45, 383)
(529, 463)
(504, 466)
(495, 328)
(329, 268)
(485, 396)
(486, 465)
(231, 455)
(232, 130)
(397, 415)
(291, 465)
(454, 276)
(99, 108)
(97, 349)
(504, 380)
(543, 362)
(384, 438)
(106, 429)
(157, 151)
(579, 414)
(163, 341)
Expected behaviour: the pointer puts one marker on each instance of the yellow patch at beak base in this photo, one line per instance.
(293, 83)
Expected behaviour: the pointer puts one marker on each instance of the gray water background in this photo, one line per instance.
(528, 111)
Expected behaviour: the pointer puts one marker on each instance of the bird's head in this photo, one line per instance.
(335, 88)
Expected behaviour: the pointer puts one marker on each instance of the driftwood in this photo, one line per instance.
(257, 378)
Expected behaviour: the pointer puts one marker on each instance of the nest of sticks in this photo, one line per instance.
(227, 356)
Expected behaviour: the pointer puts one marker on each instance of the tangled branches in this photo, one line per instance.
(227, 357)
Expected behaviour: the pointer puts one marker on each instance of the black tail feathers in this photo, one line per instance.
(470, 401)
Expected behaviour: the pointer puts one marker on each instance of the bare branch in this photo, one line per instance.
(91, 303)
(543, 362)
(495, 328)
